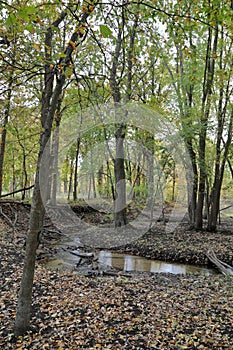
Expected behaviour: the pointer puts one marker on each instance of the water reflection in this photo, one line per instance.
(135, 263)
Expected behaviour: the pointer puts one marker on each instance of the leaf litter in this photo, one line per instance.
(144, 311)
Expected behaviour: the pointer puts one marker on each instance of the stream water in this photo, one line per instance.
(136, 263)
(125, 262)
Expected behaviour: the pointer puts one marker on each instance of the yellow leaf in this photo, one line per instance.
(36, 46)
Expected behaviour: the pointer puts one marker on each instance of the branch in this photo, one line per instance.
(7, 4)
(222, 266)
(17, 191)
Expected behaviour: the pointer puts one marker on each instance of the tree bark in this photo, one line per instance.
(4, 130)
(120, 218)
(23, 314)
(76, 169)
(54, 154)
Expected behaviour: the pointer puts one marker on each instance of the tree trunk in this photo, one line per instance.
(4, 131)
(202, 181)
(207, 91)
(120, 218)
(76, 169)
(24, 184)
(50, 100)
(54, 161)
(23, 315)
(54, 154)
(216, 190)
(192, 183)
(70, 179)
(119, 163)
(110, 182)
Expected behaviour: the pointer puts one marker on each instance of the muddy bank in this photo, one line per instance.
(184, 245)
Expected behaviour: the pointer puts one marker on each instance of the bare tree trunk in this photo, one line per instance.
(25, 295)
(54, 170)
(192, 183)
(70, 179)
(119, 170)
(110, 182)
(4, 130)
(25, 175)
(76, 169)
(54, 154)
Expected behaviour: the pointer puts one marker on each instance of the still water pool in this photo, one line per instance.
(135, 263)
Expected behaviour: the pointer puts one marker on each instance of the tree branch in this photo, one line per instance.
(17, 191)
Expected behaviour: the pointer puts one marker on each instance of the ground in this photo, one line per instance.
(136, 311)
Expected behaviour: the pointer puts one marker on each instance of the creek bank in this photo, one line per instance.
(181, 246)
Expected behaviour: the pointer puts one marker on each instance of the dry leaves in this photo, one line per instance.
(161, 311)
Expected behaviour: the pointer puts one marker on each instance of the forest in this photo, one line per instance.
(116, 133)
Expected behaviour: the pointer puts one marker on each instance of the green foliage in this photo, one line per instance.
(166, 65)
(105, 31)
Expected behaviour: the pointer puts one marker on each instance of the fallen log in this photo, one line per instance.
(221, 265)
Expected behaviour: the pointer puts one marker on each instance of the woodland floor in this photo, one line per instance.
(138, 311)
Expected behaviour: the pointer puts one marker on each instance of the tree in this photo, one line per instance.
(194, 74)
(50, 98)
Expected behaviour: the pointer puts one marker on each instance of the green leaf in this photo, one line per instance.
(31, 10)
(22, 14)
(11, 20)
(62, 55)
(27, 12)
(105, 31)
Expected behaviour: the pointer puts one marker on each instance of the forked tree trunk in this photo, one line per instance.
(206, 101)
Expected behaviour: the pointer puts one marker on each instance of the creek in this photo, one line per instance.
(127, 262)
